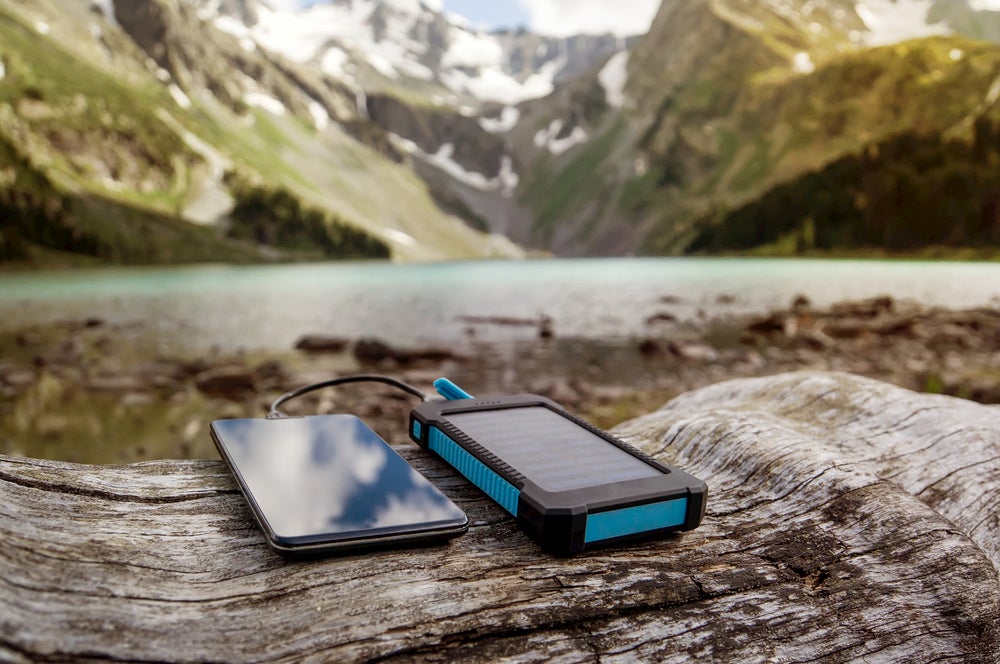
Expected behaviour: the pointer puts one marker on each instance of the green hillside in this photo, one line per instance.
(91, 171)
(867, 135)
(749, 129)
(99, 161)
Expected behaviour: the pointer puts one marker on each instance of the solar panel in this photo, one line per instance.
(550, 450)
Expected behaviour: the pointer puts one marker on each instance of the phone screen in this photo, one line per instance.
(329, 479)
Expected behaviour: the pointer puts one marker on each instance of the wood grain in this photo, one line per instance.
(847, 519)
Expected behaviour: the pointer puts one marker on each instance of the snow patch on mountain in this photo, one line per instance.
(106, 7)
(399, 237)
(803, 63)
(492, 84)
(501, 125)
(890, 22)
(393, 38)
(335, 62)
(508, 178)
(3, 70)
(443, 160)
(233, 27)
(548, 138)
(472, 50)
(230, 26)
(612, 77)
(265, 102)
(180, 98)
(320, 116)
(505, 182)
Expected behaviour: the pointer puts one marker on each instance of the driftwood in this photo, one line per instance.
(847, 520)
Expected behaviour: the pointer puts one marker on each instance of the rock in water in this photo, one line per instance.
(321, 343)
(370, 350)
(234, 383)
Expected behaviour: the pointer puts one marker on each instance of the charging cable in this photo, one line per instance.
(447, 389)
(275, 413)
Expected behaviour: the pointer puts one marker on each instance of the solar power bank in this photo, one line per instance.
(571, 486)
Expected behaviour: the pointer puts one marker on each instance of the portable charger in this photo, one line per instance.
(570, 485)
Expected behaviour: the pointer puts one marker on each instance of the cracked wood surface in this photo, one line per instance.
(847, 519)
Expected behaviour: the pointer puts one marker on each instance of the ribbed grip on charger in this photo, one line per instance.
(500, 490)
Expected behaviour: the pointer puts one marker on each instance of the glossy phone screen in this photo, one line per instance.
(330, 479)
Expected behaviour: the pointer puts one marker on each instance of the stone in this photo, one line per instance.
(115, 383)
(661, 317)
(235, 383)
(545, 328)
(369, 350)
(650, 348)
(321, 343)
(692, 350)
(771, 324)
(17, 378)
(29, 339)
(870, 308)
(429, 354)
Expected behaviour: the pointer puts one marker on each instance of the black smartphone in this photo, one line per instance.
(328, 483)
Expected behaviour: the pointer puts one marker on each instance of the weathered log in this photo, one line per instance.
(848, 519)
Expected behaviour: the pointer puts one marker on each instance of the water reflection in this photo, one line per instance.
(269, 307)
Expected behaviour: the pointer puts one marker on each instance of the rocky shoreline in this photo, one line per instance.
(91, 391)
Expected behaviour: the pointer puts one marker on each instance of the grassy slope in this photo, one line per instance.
(781, 124)
(78, 120)
(721, 126)
(811, 134)
(64, 123)
(82, 125)
(336, 172)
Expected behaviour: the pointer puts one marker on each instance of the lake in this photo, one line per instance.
(269, 307)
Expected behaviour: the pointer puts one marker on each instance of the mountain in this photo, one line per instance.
(445, 97)
(405, 47)
(133, 130)
(170, 130)
(777, 126)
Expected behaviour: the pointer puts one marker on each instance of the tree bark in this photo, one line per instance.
(847, 519)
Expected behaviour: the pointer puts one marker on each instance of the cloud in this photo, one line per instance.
(562, 18)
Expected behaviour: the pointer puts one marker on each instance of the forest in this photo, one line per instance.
(273, 216)
(904, 193)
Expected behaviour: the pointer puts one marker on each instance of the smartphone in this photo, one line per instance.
(328, 483)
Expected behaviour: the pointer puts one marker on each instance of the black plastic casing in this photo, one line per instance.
(557, 520)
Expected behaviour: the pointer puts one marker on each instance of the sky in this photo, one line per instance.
(560, 17)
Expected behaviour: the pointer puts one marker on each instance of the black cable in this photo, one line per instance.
(358, 378)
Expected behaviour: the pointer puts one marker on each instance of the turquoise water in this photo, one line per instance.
(269, 307)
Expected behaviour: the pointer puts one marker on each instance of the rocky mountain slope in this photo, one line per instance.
(121, 122)
(177, 129)
(862, 113)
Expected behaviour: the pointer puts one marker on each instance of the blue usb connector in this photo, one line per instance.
(450, 390)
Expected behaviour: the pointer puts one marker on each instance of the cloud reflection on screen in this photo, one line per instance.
(328, 475)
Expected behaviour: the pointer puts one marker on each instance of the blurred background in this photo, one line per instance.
(204, 203)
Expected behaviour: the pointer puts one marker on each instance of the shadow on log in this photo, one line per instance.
(847, 519)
